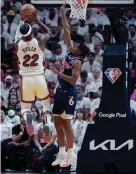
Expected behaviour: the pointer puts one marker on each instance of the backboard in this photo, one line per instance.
(91, 2)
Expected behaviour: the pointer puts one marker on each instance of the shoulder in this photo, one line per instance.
(77, 63)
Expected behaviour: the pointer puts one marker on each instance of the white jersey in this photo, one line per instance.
(30, 58)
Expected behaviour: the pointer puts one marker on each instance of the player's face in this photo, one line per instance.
(76, 51)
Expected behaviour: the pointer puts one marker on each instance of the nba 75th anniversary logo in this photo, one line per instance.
(113, 74)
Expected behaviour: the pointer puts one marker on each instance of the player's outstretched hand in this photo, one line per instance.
(62, 8)
(53, 69)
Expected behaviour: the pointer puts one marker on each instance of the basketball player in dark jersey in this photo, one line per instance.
(66, 95)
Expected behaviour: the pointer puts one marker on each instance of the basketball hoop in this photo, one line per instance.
(78, 8)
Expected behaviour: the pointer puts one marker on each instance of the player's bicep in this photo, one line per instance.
(76, 70)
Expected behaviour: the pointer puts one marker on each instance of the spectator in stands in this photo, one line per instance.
(18, 108)
(87, 40)
(90, 18)
(82, 28)
(13, 91)
(45, 142)
(5, 88)
(83, 103)
(79, 128)
(21, 143)
(84, 79)
(11, 26)
(74, 35)
(52, 17)
(16, 79)
(5, 138)
(12, 102)
(130, 17)
(5, 127)
(58, 54)
(16, 3)
(96, 102)
(132, 32)
(95, 83)
(17, 15)
(87, 66)
(98, 53)
(55, 36)
(47, 53)
(8, 41)
(36, 114)
(52, 87)
(3, 104)
(12, 118)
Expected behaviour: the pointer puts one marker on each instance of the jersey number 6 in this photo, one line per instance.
(30, 61)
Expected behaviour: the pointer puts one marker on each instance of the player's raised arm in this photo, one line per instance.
(66, 28)
(18, 35)
(45, 28)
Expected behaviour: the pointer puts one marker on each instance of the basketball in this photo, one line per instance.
(28, 12)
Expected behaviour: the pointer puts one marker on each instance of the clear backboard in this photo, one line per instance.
(93, 2)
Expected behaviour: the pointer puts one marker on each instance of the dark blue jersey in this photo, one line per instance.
(66, 68)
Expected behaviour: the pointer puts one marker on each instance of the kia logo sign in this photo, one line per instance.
(112, 143)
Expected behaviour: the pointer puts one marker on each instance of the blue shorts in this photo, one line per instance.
(65, 101)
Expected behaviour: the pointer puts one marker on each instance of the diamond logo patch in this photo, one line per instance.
(113, 74)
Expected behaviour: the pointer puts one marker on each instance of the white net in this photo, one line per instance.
(78, 10)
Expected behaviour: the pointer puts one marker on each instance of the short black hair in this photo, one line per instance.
(85, 51)
(83, 73)
(132, 25)
(24, 28)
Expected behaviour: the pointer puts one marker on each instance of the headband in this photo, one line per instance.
(29, 32)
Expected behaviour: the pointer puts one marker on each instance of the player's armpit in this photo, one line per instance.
(75, 73)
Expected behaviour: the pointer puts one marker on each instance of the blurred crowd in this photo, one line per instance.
(100, 28)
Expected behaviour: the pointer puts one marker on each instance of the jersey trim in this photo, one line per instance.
(45, 98)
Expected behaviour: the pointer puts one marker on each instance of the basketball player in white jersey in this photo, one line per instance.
(31, 69)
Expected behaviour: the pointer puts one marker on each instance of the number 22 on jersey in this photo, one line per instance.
(30, 61)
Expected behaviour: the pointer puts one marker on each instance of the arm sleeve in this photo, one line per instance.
(18, 34)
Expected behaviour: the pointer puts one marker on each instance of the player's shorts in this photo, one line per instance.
(65, 103)
(33, 86)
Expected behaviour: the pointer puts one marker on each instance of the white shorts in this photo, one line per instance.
(32, 86)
